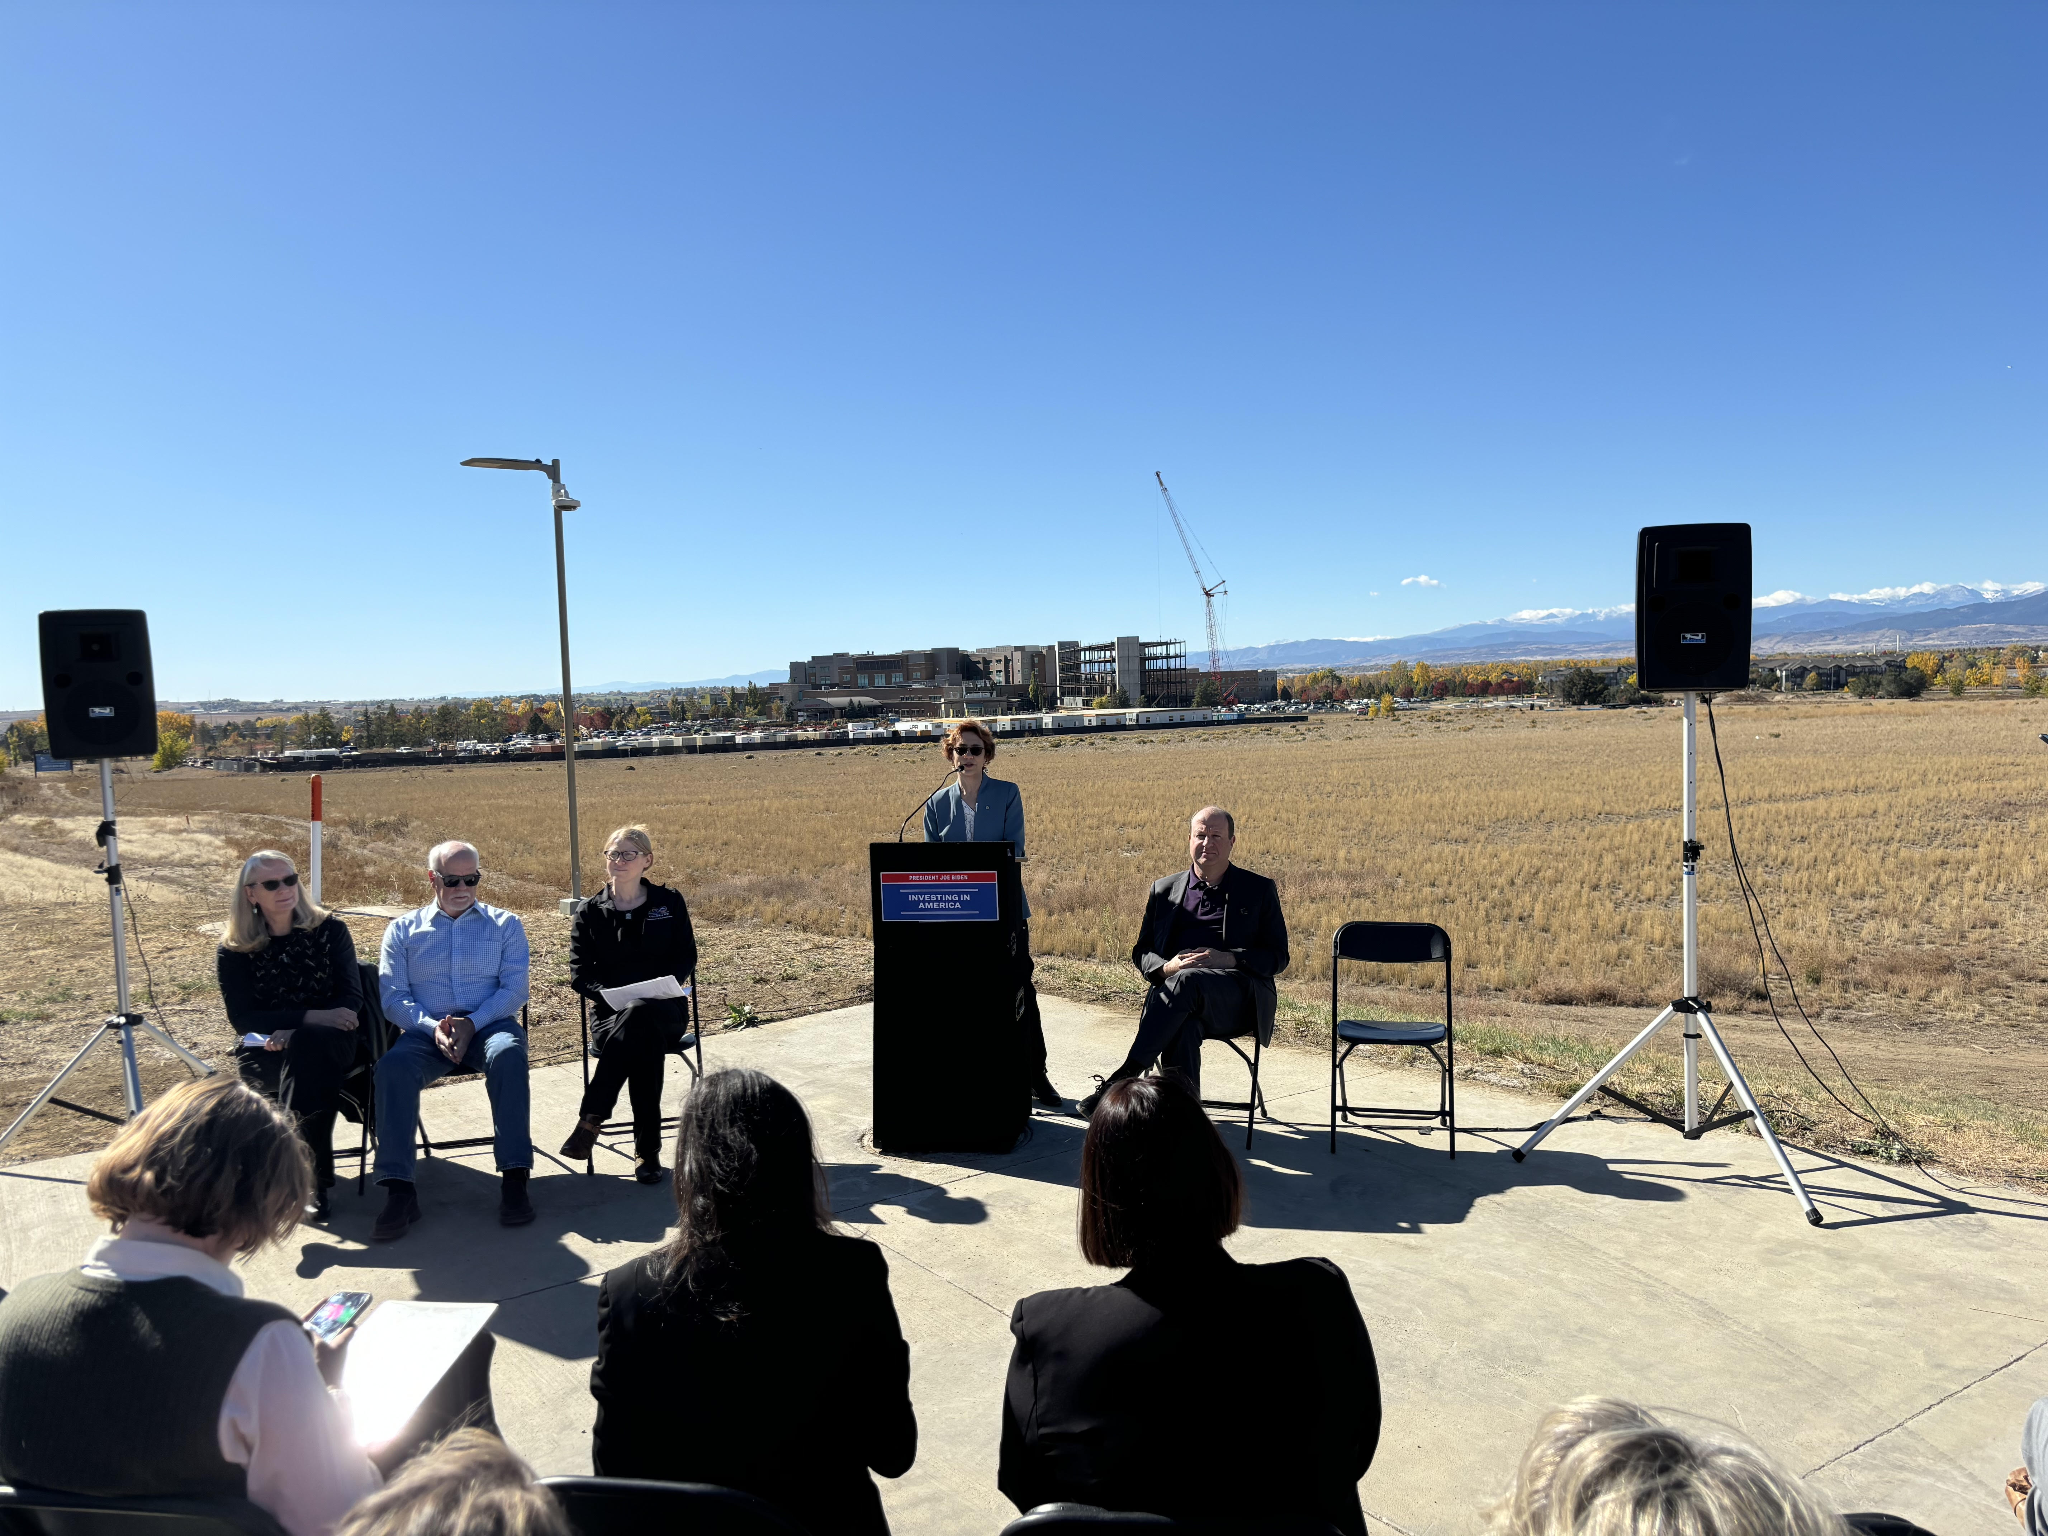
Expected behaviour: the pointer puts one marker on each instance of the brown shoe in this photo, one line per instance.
(582, 1139)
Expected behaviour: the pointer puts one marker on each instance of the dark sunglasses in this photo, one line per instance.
(963, 750)
(458, 879)
(271, 885)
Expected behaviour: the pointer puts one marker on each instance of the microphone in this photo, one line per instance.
(927, 800)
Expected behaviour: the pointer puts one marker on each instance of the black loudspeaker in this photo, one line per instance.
(1692, 607)
(99, 695)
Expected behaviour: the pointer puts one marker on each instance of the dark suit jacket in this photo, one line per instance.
(793, 1401)
(1202, 1389)
(1253, 929)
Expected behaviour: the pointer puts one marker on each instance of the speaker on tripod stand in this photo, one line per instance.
(99, 701)
(1692, 637)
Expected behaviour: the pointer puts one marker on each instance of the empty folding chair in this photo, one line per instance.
(1391, 944)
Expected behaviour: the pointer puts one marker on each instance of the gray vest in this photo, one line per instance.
(114, 1387)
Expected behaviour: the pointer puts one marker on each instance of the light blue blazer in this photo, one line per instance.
(998, 817)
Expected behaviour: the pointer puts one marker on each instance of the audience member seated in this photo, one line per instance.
(146, 1371)
(1212, 941)
(2023, 1490)
(288, 972)
(469, 1485)
(453, 977)
(631, 930)
(1600, 1467)
(1196, 1386)
(757, 1350)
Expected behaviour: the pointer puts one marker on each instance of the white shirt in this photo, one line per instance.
(278, 1419)
(968, 811)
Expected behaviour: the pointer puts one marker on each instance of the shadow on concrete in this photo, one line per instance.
(459, 1252)
(1372, 1183)
(858, 1188)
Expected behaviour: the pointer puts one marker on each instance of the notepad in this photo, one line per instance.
(399, 1354)
(643, 992)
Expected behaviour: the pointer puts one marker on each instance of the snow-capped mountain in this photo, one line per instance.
(1988, 613)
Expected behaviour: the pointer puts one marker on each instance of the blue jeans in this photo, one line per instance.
(498, 1050)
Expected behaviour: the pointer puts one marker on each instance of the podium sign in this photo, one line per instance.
(940, 896)
(949, 941)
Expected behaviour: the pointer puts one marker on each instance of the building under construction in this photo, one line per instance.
(1139, 671)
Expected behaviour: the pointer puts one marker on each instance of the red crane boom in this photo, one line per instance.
(1208, 592)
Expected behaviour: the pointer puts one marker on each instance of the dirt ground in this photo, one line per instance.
(1971, 1095)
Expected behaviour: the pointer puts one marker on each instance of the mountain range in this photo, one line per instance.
(1887, 618)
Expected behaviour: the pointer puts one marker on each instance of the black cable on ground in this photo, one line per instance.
(1760, 932)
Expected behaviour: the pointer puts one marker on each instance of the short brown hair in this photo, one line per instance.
(965, 727)
(209, 1157)
(1155, 1176)
(471, 1484)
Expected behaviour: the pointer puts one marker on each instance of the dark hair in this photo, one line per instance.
(1155, 1176)
(209, 1157)
(471, 1484)
(745, 1168)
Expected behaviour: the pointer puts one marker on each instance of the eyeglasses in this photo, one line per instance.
(622, 855)
(271, 885)
(454, 880)
(963, 750)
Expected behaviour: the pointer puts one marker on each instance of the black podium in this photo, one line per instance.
(949, 940)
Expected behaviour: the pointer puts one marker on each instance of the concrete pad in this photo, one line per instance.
(1890, 1356)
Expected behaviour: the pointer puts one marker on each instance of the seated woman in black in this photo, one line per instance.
(631, 930)
(1133, 1396)
(288, 975)
(756, 1350)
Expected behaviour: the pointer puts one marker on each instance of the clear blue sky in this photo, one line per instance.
(866, 325)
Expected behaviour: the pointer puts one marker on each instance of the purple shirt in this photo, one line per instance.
(1200, 925)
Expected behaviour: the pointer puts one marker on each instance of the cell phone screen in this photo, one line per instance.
(337, 1312)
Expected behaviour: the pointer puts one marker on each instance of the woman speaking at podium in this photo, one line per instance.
(974, 808)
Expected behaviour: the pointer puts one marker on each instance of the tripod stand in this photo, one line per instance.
(1696, 1011)
(123, 1023)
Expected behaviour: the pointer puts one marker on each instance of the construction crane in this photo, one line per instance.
(1208, 592)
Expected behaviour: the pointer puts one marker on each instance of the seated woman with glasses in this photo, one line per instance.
(974, 808)
(1132, 1396)
(631, 930)
(289, 977)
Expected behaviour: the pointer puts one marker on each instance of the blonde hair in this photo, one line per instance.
(1602, 1467)
(972, 727)
(635, 837)
(246, 930)
(209, 1157)
(471, 1484)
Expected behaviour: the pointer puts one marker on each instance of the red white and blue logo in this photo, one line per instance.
(939, 896)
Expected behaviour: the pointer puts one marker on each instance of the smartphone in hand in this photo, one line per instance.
(332, 1317)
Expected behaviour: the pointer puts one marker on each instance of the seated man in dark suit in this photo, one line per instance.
(1212, 942)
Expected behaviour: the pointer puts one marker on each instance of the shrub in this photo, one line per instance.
(1582, 685)
(1909, 684)
(171, 752)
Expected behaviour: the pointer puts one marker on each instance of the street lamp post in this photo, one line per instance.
(563, 502)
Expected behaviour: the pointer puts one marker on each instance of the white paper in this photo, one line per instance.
(256, 1042)
(398, 1354)
(643, 992)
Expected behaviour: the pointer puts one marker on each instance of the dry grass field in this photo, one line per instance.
(1897, 844)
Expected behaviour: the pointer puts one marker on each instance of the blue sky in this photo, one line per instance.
(867, 325)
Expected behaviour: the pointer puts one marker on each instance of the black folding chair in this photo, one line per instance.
(1090, 1520)
(1391, 944)
(689, 1050)
(1256, 1104)
(632, 1506)
(45, 1512)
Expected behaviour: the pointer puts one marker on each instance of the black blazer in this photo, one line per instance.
(1253, 929)
(608, 948)
(1133, 1396)
(794, 1401)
